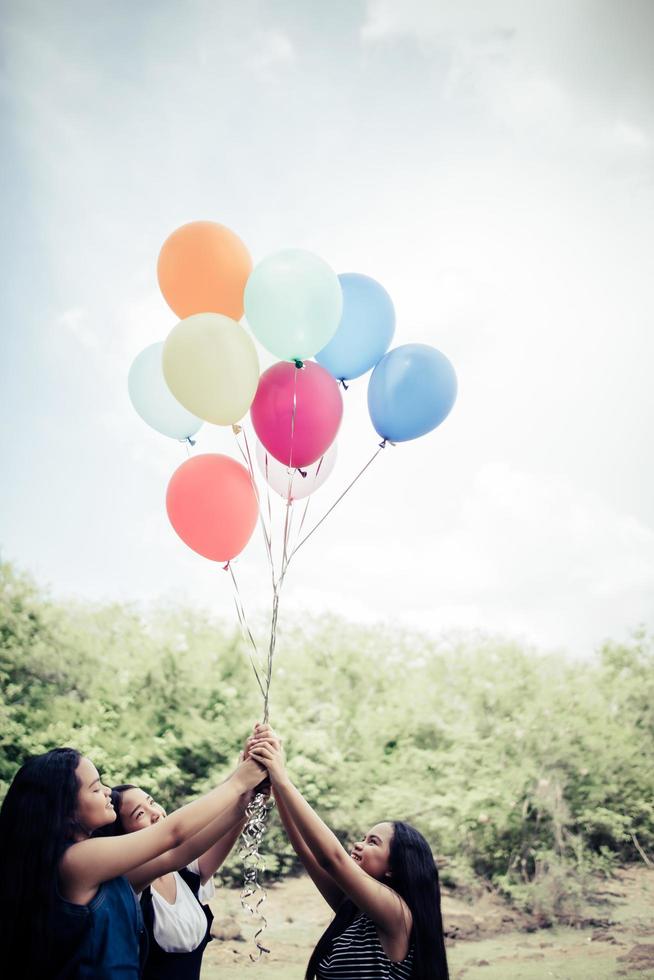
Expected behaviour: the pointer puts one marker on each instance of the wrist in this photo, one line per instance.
(242, 784)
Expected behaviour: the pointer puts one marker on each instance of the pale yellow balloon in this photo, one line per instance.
(211, 366)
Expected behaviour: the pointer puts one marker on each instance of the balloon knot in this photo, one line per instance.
(298, 363)
(342, 382)
(303, 473)
(226, 567)
(188, 441)
(386, 442)
(236, 429)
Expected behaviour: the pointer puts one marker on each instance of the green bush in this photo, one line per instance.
(531, 771)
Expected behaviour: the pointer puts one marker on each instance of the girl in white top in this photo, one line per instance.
(175, 910)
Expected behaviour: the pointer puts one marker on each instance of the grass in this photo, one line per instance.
(297, 915)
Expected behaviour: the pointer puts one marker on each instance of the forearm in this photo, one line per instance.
(295, 837)
(209, 837)
(322, 879)
(215, 806)
(307, 832)
(214, 857)
(196, 846)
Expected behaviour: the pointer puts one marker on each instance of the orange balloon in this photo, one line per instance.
(212, 505)
(203, 268)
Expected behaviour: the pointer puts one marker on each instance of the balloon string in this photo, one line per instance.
(279, 581)
(298, 367)
(247, 632)
(267, 531)
(337, 501)
(256, 812)
(254, 830)
(270, 525)
(271, 651)
(306, 506)
(289, 500)
(288, 522)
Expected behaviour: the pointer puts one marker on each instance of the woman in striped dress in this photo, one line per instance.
(385, 893)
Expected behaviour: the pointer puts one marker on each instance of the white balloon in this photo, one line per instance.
(153, 399)
(289, 483)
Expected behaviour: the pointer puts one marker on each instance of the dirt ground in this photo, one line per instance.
(486, 939)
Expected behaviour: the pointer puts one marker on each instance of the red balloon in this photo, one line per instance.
(296, 412)
(212, 504)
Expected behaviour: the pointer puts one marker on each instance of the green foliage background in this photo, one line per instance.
(529, 772)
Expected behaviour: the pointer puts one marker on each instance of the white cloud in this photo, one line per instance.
(594, 53)
(535, 554)
(271, 50)
(78, 323)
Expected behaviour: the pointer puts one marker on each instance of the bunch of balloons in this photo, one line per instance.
(207, 370)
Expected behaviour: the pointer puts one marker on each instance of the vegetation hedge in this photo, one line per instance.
(527, 772)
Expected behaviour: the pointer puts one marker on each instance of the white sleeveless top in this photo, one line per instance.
(180, 927)
(208, 890)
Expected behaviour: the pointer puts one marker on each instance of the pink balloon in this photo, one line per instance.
(296, 412)
(212, 504)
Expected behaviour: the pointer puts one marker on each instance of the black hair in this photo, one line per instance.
(414, 877)
(37, 824)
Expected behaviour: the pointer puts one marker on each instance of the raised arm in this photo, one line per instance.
(85, 865)
(213, 858)
(323, 881)
(383, 905)
(211, 846)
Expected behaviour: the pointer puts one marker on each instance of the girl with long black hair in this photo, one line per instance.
(66, 909)
(174, 903)
(385, 893)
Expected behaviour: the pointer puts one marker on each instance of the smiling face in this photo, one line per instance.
(373, 852)
(139, 810)
(94, 807)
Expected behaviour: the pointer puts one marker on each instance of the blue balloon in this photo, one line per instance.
(365, 331)
(410, 392)
(153, 399)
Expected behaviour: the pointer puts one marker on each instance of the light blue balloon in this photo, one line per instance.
(365, 331)
(410, 392)
(153, 399)
(293, 303)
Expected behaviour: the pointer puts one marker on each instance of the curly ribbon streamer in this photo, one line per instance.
(253, 894)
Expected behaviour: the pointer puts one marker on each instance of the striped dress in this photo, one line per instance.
(357, 954)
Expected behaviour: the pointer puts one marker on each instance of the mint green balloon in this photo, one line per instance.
(293, 303)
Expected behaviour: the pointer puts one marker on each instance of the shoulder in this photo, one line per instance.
(190, 878)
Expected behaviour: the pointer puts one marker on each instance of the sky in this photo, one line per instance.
(490, 163)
